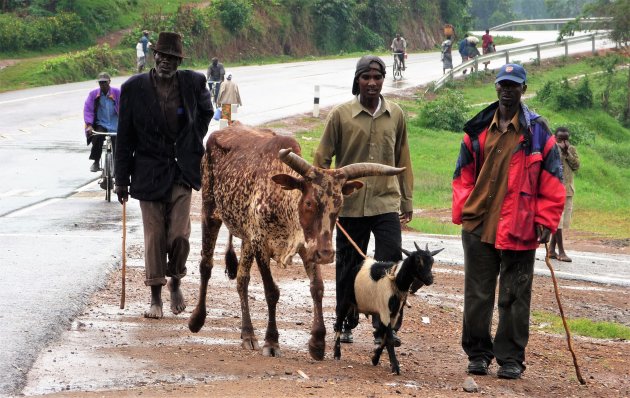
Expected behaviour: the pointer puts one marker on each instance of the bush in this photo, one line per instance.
(85, 65)
(563, 96)
(234, 14)
(36, 33)
(447, 112)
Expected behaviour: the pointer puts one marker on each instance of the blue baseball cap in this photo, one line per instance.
(513, 72)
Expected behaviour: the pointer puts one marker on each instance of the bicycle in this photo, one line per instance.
(213, 85)
(107, 175)
(397, 66)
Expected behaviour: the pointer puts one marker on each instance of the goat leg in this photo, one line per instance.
(391, 351)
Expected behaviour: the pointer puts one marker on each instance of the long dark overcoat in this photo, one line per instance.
(149, 157)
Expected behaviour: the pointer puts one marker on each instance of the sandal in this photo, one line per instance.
(564, 258)
(553, 255)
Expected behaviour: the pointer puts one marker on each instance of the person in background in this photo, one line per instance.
(487, 46)
(508, 197)
(100, 114)
(570, 164)
(228, 96)
(399, 47)
(369, 128)
(447, 57)
(164, 117)
(463, 50)
(141, 53)
(146, 44)
(215, 75)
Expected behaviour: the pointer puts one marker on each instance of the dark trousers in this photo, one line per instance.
(515, 270)
(166, 232)
(387, 241)
(97, 144)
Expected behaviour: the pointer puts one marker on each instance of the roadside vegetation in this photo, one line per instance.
(601, 136)
(552, 323)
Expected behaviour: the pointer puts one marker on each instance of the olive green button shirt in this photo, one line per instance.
(353, 135)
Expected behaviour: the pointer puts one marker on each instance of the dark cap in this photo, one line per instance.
(170, 43)
(513, 72)
(363, 65)
(103, 77)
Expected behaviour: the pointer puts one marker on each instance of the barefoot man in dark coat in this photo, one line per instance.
(164, 116)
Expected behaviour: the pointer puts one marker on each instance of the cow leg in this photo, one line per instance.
(317, 342)
(209, 230)
(272, 294)
(248, 337)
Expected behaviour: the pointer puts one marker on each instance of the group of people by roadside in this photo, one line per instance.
(508, 191)
(467, 49)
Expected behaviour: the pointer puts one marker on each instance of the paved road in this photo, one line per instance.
(59, 237)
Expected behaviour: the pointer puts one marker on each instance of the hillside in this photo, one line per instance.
(238, 31)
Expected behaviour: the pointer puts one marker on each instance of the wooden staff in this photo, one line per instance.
(124, 256)
(564, 321)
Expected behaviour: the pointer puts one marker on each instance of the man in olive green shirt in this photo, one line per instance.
(369, 129)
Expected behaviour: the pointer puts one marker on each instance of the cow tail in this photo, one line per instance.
(231, 261)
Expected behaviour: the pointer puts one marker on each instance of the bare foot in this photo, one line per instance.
(178, 304)
(155, 312)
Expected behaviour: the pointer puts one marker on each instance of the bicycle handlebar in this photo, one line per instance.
(107, 133)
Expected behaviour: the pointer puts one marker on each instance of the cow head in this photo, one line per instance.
(322, 197)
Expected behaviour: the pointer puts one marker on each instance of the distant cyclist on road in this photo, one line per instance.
(399, 46)
(215, 75)
(100, 113)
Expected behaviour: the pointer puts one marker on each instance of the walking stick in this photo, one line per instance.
(564, 321)
(124, 256)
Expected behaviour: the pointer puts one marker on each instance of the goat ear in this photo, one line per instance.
(433, 253)
(405, 252)
(351, 186)
(287, 182)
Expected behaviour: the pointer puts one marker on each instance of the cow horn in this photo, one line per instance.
(301, 166)
(359, 170)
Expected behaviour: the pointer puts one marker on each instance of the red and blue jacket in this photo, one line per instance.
(535, 194)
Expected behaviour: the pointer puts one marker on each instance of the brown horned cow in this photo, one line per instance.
(256, 183)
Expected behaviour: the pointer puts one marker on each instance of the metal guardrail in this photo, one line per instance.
(507, 53)
(551, 21)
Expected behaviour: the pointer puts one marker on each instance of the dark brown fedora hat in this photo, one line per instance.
(170, 43)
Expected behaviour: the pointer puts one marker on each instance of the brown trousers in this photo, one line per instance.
(166, 231)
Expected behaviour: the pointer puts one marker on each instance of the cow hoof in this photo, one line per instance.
(271, 351)
(316, 349)
(196, 320)
(250, 343)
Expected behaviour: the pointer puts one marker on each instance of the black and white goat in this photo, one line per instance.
(381, 287)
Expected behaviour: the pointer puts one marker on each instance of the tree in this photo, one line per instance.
(488, 13)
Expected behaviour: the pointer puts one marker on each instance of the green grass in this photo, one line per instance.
(580, 326)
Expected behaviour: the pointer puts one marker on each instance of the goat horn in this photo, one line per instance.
(301, 166)
(405, 252)
(433, 253)
(417, 247)
(359, 170)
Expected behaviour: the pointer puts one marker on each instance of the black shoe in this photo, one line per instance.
(397, 342)
(103, 183)
(346, 337)
(95, 167)
(509, 371)
(477, 367)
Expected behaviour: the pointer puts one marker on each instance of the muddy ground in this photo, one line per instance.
(110, 352)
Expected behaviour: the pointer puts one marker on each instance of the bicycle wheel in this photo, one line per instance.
(108, 177)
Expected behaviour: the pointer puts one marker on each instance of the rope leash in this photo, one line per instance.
(564, 321)
(356, 247)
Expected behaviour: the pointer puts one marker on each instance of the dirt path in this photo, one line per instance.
(112, 353)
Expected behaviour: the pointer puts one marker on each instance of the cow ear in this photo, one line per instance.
(287, 182)
(351, 186)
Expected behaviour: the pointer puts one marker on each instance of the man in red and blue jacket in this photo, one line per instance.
(508, 196)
